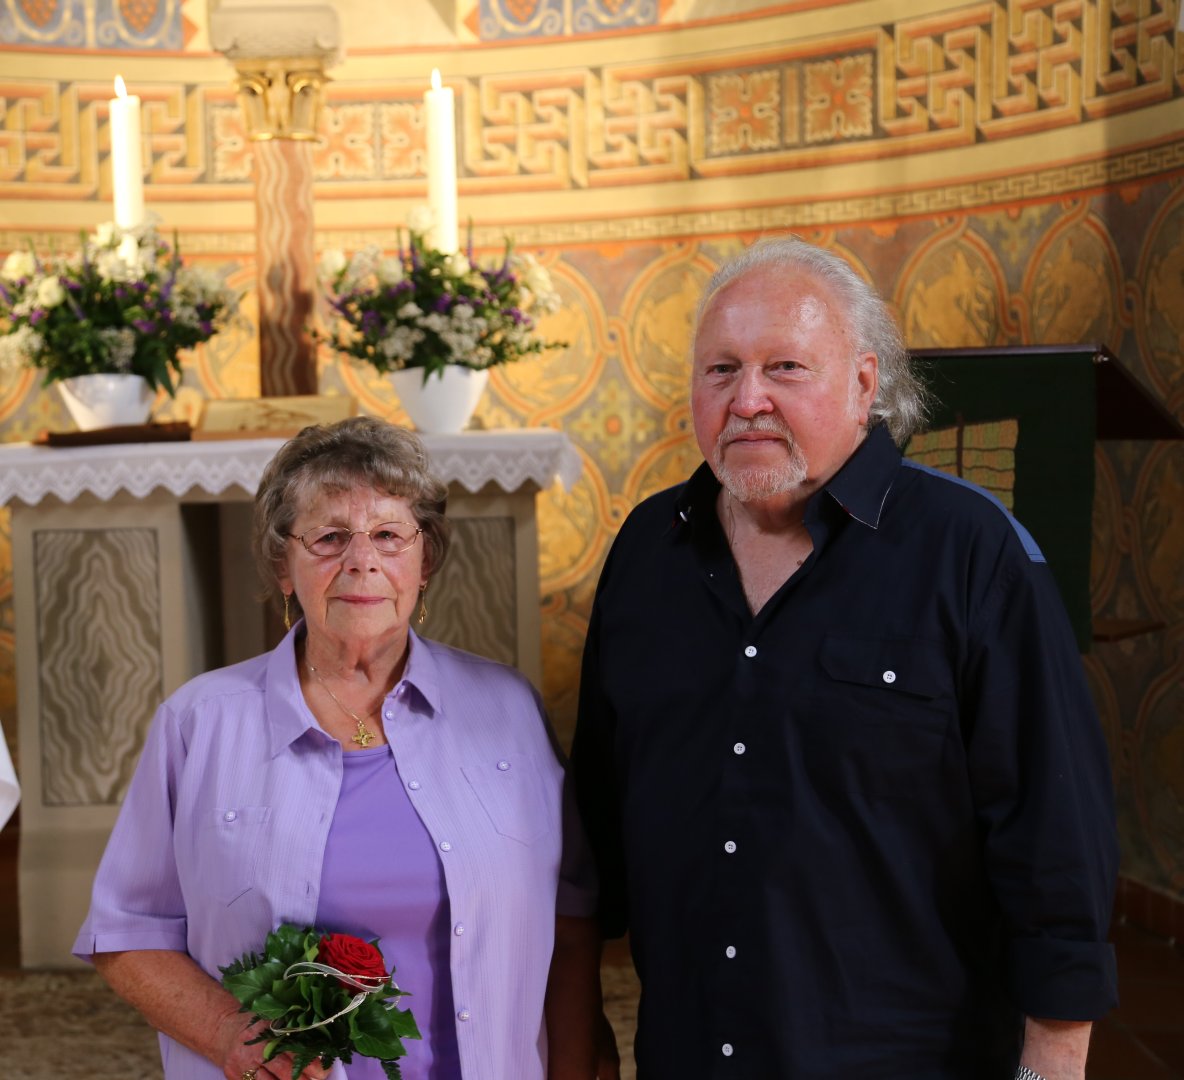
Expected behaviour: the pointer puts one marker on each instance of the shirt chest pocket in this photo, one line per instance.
(231, 841)
(881, 715)
(514, 794)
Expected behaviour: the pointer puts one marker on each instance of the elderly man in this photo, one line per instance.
(836, 754)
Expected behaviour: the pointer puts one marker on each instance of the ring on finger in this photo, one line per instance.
(249, 1074)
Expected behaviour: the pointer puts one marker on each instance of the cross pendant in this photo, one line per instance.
(364, 736)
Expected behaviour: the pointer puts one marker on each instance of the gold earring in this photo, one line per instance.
(423, 603)
(287, 616)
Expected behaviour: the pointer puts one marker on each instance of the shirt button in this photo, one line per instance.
(730, 952)
(503, 765)
(459, 929)
(730, 846)
(230, 815)
(389, 714)
(750, 650)
(727, 1049)
(445, 845)
(413, 785)
(464, 1014)
(889, 676)
(739, 748)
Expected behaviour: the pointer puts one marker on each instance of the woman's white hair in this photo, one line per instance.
(900, 402)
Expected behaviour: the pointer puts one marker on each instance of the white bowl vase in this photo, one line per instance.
(101, 401)
(445, 403)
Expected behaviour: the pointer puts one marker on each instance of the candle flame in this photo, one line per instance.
(120, 87)
(435, 78)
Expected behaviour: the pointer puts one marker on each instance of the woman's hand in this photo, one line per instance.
(242, 1061)
(175, 996)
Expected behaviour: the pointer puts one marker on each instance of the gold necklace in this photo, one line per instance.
(363, 736)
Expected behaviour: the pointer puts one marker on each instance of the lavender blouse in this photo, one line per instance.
(224, 830)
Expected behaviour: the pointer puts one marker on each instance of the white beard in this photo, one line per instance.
(752, 483)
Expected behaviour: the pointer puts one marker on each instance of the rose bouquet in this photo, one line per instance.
(123, 304)
(325, 996)
(426, 309)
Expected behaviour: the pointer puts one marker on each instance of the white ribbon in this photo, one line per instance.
(367, 984)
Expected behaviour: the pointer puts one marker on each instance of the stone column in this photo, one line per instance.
(280, 52)
(286, 263)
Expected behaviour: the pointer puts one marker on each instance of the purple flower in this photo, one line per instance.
(370, 321)
(36, 316)
(206, 327)
(443, 303)
(145, 326)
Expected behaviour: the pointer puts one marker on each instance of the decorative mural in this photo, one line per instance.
(918, 147)
(150, 25)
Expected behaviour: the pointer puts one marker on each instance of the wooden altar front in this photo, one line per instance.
(132, 573)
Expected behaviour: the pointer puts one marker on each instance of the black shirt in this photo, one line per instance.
(865, 831)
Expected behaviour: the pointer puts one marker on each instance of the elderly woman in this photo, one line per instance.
(360, 779)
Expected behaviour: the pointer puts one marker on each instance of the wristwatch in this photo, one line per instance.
(1024, 1073)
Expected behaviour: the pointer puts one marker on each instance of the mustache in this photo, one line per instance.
(765, 423)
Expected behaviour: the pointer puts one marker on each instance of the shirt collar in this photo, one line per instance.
(288, 715)
(859, 488)
(422, 671)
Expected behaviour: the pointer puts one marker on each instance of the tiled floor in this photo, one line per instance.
(1143, 1039)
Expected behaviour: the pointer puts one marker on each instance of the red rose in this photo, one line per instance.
(351, 956)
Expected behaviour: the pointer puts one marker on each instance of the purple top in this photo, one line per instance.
(382, 878)
(223, 831)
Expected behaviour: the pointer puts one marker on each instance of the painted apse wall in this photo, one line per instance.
(1007, 171)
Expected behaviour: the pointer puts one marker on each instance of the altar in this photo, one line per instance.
(133, 572)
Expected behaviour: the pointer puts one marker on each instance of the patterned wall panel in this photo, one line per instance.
(976, 74)
(98, 641)
(473, 600)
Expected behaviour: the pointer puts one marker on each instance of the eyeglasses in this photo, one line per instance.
(389, 538)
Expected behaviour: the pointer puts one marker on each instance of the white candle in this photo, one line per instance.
(440, 125)
(127, 169)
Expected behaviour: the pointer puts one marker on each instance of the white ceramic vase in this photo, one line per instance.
(102, 401)
(445, 403)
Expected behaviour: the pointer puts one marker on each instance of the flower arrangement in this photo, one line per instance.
(323, 996)
(123, 304)
(424, 309)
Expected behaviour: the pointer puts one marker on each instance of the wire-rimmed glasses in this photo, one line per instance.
(388, 538)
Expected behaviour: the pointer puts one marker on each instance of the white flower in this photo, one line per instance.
(50, 292)
(19, 264)
(409, 311)
(457, 264)
(332, 263)
(389, 271)
(18, 348)
(421, 219)
(400, 345)
(121, 347)
(112, 266)
(106, 235)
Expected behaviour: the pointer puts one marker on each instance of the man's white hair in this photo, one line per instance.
(900, 396)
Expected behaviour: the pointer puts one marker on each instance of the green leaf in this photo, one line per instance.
(269, 1007)
(247, 984)
(375, 1033)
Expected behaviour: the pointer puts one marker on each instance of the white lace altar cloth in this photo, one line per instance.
(507, 458)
